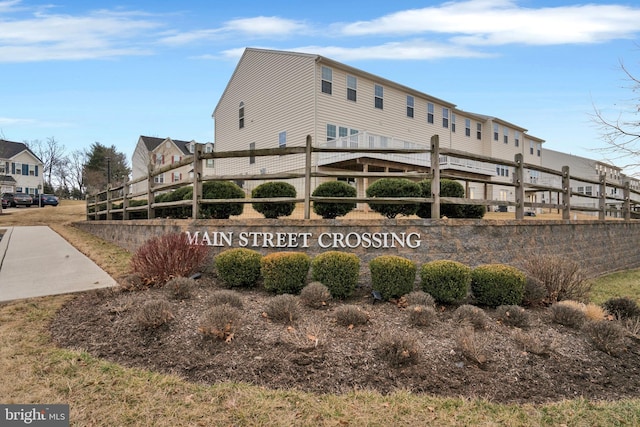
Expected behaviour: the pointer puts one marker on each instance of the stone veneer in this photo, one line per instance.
(600, 246)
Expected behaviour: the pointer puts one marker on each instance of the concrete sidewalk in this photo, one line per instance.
(36, 261)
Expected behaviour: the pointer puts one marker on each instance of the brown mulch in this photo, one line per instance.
(316, 354)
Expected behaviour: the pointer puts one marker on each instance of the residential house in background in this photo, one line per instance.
(20, 169)
(276, 98)
(157, 152)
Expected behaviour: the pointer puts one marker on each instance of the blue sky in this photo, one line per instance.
(82, 72)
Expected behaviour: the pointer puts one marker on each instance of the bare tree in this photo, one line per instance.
(51, 153)
(622, 133)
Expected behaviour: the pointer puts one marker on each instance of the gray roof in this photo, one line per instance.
(152, 143)
(10, 149)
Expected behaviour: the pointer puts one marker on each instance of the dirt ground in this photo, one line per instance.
(541, 363)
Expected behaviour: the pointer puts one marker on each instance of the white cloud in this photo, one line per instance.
(496, 22)
(406, 50)
(99, 34)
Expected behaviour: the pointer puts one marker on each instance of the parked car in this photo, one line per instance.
(16, 199)
(43, 200)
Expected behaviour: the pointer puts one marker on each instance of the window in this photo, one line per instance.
(331, 133)
(18, 169)
(327, 78)
(588, 190)
(159, 179)
(445, 117)
(453, 122)
(352, 87)
(208, 148)
(176, 176)
(282, 139)
(495, 132)
(410, 103)
(2, 169)
(353, 138)
(33, 170)
(210, 163)
(516, 138)
(502, 171)
(539, 149)
(252, 158)
(175, 159)
(158, 159)
(531, 147)
(505, 136)
(379, 94)
(241, 116)
(479, 130)
(430, 113)
(467, 127)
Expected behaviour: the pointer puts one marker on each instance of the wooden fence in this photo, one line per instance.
(101, 205)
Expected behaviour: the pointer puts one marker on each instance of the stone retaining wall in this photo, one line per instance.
(600, 246)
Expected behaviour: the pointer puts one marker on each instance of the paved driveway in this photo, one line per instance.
(36, 261)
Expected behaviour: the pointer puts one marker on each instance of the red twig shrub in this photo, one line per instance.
(164, 257)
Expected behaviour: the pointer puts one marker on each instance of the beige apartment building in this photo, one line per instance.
(277, 98)
(157, 152)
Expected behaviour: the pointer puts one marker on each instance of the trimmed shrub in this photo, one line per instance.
(221, 190)
(398, 349)
(285, 272)
(568, 313)
(446, 281)
(351, 315)
(315, 295)
(606, 336)
(497, 284)
(154, 313)
(182, 193)
(420, 298)
(238, 267)
(167, 256)
(594, 312)
(422, 315)
(394, 187)
(392, 276)
(226, 296)
(513, 315)
(471, 315)
(448, 188)
(274, 189)
(562, 277)
(622, 308)
(180, 288)
(220, 322)
(330, 210)
(283, 308)
(338, 271)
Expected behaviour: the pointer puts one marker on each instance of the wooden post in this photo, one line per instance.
(435, 181)
(125, 202)
(109, 214)
(197, 180)
(566, 193)
(602, 197)
(307, 180)
(150, 211)
(519, 186)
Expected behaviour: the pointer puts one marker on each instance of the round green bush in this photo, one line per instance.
(330, 210)
(338, 271)
(446, 281)
(394, 187)
(274, 189)
(392, 276)
(497, 284)
(238, 267)
(285, 272)
(221, 190)
(182, 193)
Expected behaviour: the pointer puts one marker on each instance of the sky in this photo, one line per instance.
(109, 71)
